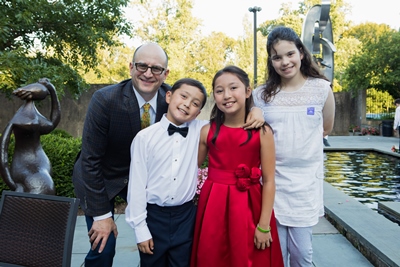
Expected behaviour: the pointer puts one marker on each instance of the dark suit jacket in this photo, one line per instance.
(112, 121)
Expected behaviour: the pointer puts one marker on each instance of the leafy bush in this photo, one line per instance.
(370, 130)
(354, 128)
(62, 152)
(61, 133)
(205, 163)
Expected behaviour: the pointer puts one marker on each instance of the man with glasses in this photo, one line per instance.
(112, 121)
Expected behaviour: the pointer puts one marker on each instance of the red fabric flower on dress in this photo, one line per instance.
(243, 184)
(246, 177)
(242, 171)
(255, 173)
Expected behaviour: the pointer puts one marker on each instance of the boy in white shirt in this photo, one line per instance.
(163, 178)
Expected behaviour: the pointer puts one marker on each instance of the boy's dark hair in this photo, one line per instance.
(308, 67)
(397, 101)
(191, 82)
(217, 115)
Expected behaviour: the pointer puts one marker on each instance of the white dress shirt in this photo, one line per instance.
(163, 171)
(396, 118)
(152, 102)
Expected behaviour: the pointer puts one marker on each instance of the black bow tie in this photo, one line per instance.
(173, 129)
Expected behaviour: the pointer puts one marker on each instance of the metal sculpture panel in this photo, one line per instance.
(317, 33)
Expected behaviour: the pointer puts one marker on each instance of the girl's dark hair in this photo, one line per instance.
(191, 82)
(308, 67)
(217, 115)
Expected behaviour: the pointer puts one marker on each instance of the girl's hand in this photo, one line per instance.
(262, 240)
(255, 119)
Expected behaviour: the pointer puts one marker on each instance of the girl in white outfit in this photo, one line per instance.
(298, 103)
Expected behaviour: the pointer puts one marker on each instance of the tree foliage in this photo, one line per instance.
(210, 54)
(191, 54)
(244, 53)
(170, 23)
(287, 17)
(378, 64)
(113, 66)
(55, 39)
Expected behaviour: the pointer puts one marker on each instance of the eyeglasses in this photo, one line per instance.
(144, 67)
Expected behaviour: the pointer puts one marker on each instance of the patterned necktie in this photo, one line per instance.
(145, 120)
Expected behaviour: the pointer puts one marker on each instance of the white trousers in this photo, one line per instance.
(296, 245)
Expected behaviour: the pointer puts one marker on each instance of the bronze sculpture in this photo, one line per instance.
(30, 170)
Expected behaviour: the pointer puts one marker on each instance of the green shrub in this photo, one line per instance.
(62, 152)
(61, 133)
(11, 145)
(205, 163)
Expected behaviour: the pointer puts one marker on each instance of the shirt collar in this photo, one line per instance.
(165, 123)
(141, 101)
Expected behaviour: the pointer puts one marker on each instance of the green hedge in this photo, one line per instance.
(61, 149)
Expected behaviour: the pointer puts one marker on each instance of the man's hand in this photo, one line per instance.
(100, 232)
(146, 246)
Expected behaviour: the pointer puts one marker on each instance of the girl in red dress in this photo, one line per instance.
(235, 224)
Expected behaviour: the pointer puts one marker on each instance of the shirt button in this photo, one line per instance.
(174, 178)
(125, 181)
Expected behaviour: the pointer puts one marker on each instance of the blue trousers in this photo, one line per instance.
(172, 229)
(104, 259)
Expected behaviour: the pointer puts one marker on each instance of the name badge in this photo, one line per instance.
(310, 111)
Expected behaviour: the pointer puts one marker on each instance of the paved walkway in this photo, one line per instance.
(330, 247)
(380, 143)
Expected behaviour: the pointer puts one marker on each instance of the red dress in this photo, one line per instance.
(230, 205)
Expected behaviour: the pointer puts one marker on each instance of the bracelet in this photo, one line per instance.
(263, 230)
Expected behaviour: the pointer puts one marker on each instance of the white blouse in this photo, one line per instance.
(297, 120)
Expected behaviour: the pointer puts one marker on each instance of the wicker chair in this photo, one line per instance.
(36, 230)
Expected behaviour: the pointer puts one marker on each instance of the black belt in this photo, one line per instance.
(182, 207)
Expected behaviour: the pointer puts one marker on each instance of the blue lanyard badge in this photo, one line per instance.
(310, 111)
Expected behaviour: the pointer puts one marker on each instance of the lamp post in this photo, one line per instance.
(255, 9)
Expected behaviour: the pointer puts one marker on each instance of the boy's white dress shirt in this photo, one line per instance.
(163, 171)
(396, 123)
